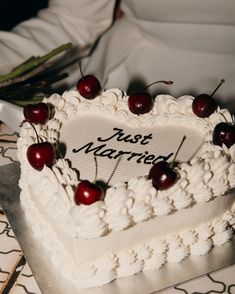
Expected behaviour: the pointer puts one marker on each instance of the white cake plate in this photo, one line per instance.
(50, 281)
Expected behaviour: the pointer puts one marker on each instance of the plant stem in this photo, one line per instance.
(34, 62)
(27, 75)
(23, 102)
(24, 62)
(32, 88)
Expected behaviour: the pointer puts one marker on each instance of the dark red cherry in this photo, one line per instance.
(41, 154)
(224, 133)
(204, 105)
(37, 113)
(140, 102)
(89, 87)
(88, 193)
(163, 176)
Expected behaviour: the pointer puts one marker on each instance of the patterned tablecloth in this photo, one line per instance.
(17, 278)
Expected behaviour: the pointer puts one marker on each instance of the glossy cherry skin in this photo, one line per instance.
(204, 105)
(88, 193)
(41, 154)
(140, 102)
(224, 133)
(37, 113)
(89, 87)
(163, 176)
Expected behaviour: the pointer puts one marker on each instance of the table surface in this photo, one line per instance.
(16, 276)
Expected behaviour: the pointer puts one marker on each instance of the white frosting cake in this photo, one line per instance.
(135, 227)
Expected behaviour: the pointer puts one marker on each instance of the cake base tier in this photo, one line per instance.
(50, 281)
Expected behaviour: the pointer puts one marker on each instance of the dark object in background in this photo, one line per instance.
(13, 12)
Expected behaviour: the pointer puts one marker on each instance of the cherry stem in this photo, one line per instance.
(224, 117)
(164, 82)
(221, 82)
(115, 168)
(177, 152)
(80, 68)
(96, 168)
(58, 152)
(38, 138)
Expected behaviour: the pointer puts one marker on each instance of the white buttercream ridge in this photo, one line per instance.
(201, 247)
(189, 237)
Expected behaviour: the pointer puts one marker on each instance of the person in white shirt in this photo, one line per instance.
(189, 42)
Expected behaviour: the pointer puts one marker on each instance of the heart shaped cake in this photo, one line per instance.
(114, 202)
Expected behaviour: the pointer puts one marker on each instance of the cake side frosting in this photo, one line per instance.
(147, 255)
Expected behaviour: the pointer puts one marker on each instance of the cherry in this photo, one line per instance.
(224, 133)
(89, 87)
(40, 154)
(163, 175)
(142, 102)
(88, 193)
(204, 104)
(37, 113)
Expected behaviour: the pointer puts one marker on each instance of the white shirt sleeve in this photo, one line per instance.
(78, 21)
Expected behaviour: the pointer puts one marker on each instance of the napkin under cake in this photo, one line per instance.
(135, 227)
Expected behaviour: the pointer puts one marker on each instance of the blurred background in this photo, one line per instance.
(14, 11)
